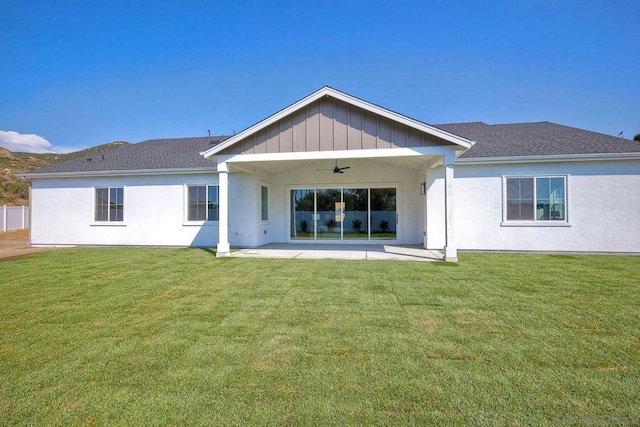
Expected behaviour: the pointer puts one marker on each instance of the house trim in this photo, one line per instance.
(547, 158)
(534, 222)
(339, 154)
(129, 172)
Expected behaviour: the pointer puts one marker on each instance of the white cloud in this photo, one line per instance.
(28, 143)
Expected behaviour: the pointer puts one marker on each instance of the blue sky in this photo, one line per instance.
(81, 73)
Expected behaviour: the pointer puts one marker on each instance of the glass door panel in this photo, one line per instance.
(343, 214)
(302, 214)
(356, 219)
(383, 215)
(329, 214)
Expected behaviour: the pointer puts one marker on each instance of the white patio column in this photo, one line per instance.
(450, 251)
(223, 248)
(423, 185)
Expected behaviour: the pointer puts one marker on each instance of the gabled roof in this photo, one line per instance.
(154, 154)
(536, 139)
(503, 141)
(330, 92)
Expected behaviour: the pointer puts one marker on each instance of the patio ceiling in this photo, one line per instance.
(277, 166)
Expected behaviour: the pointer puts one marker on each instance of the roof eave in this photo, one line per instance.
(547, 158)
(129, 172)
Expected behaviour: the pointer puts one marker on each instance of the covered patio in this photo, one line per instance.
(338, 251)
(331, 170)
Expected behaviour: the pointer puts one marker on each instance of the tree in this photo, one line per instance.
(637, 137)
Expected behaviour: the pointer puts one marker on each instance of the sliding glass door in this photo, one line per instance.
(356, 213)
(302, 214)
(328, 214)
(343, 214)
(383, 213)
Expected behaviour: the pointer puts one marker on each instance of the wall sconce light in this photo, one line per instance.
(423, 188)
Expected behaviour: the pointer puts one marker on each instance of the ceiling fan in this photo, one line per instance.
(337, 169)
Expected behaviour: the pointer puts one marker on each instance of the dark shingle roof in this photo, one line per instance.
(175, 153)
(507, 140)
(536, 139)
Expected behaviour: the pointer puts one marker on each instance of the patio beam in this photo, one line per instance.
(377, 153)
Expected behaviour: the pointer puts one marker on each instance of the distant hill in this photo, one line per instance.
(14, 191)
(53, 158)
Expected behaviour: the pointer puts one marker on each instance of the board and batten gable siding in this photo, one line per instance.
(330, 124)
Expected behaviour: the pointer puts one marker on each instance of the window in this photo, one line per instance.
(109, 204)
(264, 202)
(536, 199)
(202, 203)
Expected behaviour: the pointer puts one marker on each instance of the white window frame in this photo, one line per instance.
(186, 220)
(109, 222)
(535, 222)
(263, 220)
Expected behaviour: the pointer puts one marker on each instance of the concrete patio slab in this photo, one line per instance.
(337, 251)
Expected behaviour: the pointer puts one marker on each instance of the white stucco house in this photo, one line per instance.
(335, 168)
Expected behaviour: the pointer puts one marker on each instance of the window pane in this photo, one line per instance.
(542, 188)
(212, 203)
(513, 189)
(542, 199)
(526, 188)
(356, 219)
(200, 195)
(550, 196)
(264, 215)
(557, 199)
(519, 199)
(383, 213)
(302, 214)
(526, 210)
(116, 204)
(193, 213)
(329, 214)
(197, 203)
(102, 204)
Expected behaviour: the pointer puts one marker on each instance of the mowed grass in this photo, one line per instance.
(175, 336)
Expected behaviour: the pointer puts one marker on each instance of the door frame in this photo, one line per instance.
(368, 185)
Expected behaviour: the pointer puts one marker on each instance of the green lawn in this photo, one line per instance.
(176, 336)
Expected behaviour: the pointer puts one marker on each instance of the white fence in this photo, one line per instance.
(14, 218)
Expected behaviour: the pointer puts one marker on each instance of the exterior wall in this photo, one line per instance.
(154, 206)
(246, 229)
(602, 208)
(266, 229)
(154, 212)
(330, 124)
